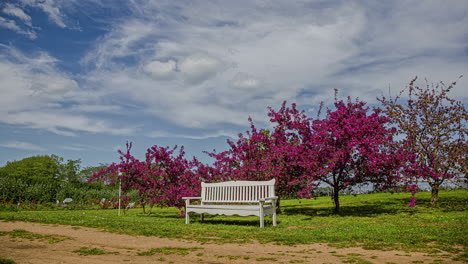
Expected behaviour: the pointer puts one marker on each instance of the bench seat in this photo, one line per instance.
(243, 198)
(222, 209)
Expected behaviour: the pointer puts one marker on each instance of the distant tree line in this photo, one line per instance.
(48, 179)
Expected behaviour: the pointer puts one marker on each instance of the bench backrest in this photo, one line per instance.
(237, 191)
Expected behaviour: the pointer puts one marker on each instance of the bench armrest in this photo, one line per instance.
(269, 198)
(191, 198)
(187, 199)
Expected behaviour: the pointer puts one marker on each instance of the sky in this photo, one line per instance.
(80, 78)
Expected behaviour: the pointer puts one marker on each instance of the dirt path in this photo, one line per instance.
(125, 249)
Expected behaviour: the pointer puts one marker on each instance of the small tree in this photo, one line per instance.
(351, 147)
(435, 131)
(68, 171)
(161, 179)
(172, 176)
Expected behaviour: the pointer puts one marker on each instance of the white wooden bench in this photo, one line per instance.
(241, 198)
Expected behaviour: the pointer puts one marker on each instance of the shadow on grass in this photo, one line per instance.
(359, 210)
(446, 204)
(395, 206)
(363, 209)
(234, 222)
(215, 219)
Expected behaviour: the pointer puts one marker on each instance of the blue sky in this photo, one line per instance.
(79, 78)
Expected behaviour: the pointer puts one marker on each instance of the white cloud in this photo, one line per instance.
(124, 41)
(73, 148)
(51, 8)
(11, 25)
(209, 65)
(30, 82)
(21, 145)
(12, 10)
(82, 147)
(35, 92)
(89, 108)
(165, 134)
(198, 68)
(244, 81)
(223, 73)
(63, 123)
(161, 70)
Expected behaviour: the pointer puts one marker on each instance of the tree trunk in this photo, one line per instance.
(336, 200)
(434, 194)
(278, 205)
(143, 205)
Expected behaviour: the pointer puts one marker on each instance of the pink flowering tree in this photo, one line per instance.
(434, 130)
(348, 147)
(162, 179)
(261, 155)
(292, 128)
(172, 176)
(352, 146)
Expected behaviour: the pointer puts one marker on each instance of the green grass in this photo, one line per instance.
(6, 261)
(373, 221)
(168, 251)
(356, 260)
(266, 259)
(19, 233)
(85, 251)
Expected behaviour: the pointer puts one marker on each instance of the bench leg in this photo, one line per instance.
(262, 216)
(201, 217)
(274, 212)
(187, 218)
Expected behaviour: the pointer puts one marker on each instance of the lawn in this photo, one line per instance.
(372, 221)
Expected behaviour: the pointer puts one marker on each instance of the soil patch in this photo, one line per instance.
(89, 245)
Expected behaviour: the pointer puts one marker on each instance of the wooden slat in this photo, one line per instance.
(240, 191)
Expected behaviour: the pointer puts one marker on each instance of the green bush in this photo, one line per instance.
(41, 192)
(13, 189)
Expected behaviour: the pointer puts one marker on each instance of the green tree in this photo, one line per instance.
(68, 171)
(38, 178)
(32, 170)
